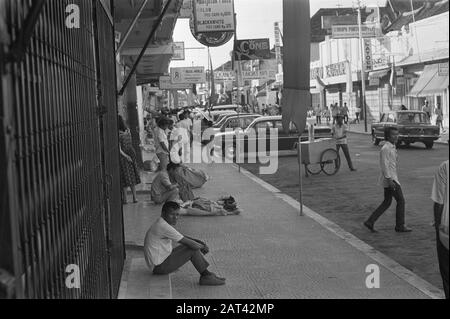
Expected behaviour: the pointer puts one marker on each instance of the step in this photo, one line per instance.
(142, 284)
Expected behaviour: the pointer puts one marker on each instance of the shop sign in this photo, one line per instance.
(188, 75)
(368, 54)
(214, 16)
(316, 72)
(336, 69)
(187, 10)
(165, 83)
(443, 69)
(178, 51)
(252, 49)
(258, 75)
(352, 31)
(210, 39)
(225, 75)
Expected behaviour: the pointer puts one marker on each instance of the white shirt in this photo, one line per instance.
(440, 196)
(185, 124)
(160, 137)
(158, 244)
(339, 132)
(388, 164)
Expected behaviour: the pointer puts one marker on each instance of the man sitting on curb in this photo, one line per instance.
(162, 188)
(162, 259)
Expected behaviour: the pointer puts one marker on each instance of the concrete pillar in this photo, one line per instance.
(130, 101)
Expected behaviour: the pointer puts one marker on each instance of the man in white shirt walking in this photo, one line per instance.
(390, 182)
(163, 259)
(440, 198)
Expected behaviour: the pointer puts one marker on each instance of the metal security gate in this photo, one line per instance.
(58, 155)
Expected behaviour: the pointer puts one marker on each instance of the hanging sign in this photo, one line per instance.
(214, 16)
(191, 75)
(210, 39)
(178, 51)
(253, 49)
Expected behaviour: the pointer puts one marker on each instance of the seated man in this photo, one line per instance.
(162, 188)
(162, 259)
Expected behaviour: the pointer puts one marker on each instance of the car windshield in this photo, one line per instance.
(413, 118)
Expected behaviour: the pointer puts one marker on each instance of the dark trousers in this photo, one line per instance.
(346, 119)
(443, 256)
(390, 193)
(179, 257)
(346, 151)
(357, 117)
(318, 119)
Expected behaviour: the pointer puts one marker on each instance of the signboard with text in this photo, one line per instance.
(165, 83)
(187, 10)
(252, 49)
(259, 75)
(225, 75)
(214, 16)
(189, 75)
(178, 51)
(368, 54)
(352, 31)
(443, 69)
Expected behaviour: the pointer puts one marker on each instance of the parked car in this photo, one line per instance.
(230, 122)
(413, 126)
(231, 107)
(287, 143)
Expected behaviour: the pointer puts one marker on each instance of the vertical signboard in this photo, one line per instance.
(214, 16)
(368, 54)
(178, 51)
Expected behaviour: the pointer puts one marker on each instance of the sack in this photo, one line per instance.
(195, 178)
(229, 204)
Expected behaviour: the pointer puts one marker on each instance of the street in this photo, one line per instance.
(348, 199)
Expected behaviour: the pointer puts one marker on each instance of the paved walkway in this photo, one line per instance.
(267, 252)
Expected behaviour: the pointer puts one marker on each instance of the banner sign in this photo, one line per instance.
(368, 54)
(190, 75)
(225, 75)
(256, 49)
(336, 69)
(214, 16)
(178, 51)
(259, 75)
(165, 83)
(352, 31)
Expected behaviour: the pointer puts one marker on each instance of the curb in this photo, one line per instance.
(400, 271)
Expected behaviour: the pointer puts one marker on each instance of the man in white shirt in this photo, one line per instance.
(440, 198)
(185, 126)
(162, 143)
(339, 132)
(390, 182)
(427, 109)
(163, 259)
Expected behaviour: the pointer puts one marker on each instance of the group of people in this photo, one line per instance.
(437, 111)
(333, 112)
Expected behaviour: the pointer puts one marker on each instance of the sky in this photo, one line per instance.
(255, 19)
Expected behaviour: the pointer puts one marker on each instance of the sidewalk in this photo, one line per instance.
(360, 128)
(267, 252)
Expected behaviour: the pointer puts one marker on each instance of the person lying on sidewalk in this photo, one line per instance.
(162, 188)
(163, 259)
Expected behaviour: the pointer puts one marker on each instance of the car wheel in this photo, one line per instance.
(429, 145)
(375, 140)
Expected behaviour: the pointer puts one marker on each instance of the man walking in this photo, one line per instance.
(440, 198)
(345, 111)
(163, 259)
(339, 132)
(390, 182)
(162, 143)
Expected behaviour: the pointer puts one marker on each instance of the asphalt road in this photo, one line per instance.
(349, 198)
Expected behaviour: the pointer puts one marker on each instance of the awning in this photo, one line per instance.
(430, 82)
(379, 74)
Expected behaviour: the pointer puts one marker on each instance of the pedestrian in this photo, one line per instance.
(390, 182)
(339, 132)
(318, 112)
(327, 115)
(129, 173)
(358, 114)
(427, 109)
(440, 198)
(439, 117)
(163, 259)
(345, 111)
(334, 112)
(185, 125)
(162, 142)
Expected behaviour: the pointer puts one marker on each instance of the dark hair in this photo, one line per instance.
(169, 207)
(182, 117)
(121, 124)
(163, 121)
(172, 166)
(388, 132)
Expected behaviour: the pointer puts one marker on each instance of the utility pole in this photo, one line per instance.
(363, 67)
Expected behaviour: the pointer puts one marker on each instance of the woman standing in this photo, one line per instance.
(129, 173)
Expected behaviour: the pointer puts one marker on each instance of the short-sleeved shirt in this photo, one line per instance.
(185, 124)
(160, 184)
(158, 244)
(160, 137)
(339, 132)
(440, 196)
